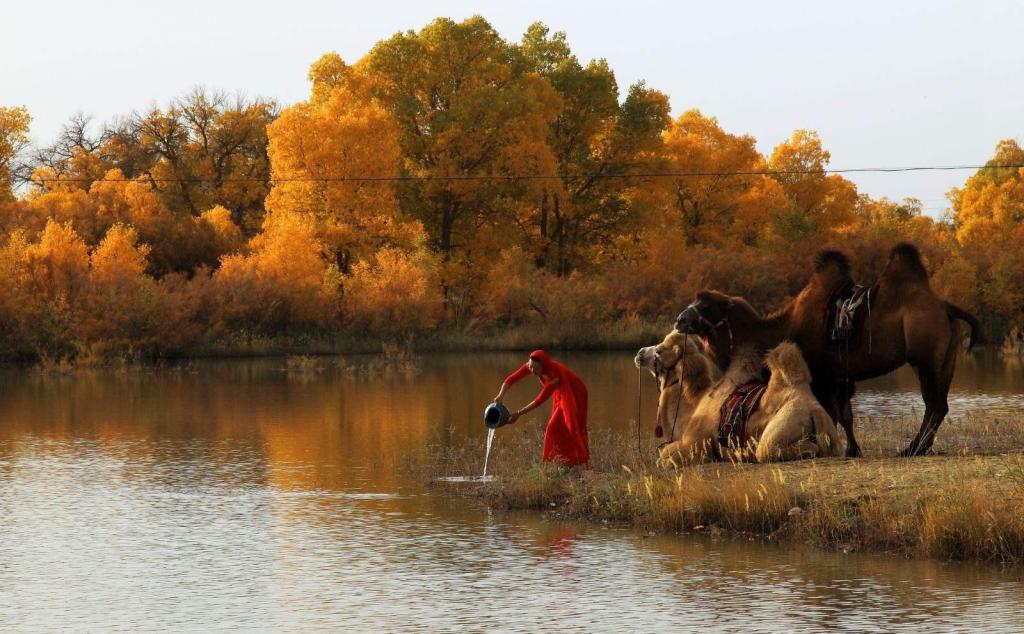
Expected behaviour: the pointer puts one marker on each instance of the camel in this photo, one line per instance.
(906, 323)
(789, 423)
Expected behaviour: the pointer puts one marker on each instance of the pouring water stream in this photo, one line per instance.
(487, 456)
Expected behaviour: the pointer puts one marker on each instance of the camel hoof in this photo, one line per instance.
(915, 452)
(854, 452)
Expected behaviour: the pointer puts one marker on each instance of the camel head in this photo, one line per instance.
(708, 312)
(714, 317)
(663, 357)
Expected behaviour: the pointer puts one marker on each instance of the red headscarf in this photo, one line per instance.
(546, 364)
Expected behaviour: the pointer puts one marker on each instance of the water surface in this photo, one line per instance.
(235, 495)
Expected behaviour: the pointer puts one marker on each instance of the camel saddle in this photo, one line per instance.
(846, 310)
(736, 410)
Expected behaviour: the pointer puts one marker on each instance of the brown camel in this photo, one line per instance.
(789, 423)
(906, 323)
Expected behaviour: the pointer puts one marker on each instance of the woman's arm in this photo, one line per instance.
(545, 394)
(511, 380)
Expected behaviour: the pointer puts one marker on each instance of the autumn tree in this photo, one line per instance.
(284, 282)
(470, 119)
(203, 150)
(720, 198)
(123, 306)
(334, 159)
(988, 215)
(817, 202)
(598, 144)
(14, 124)
(178, 240)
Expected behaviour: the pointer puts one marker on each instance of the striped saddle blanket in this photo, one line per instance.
(736, 410)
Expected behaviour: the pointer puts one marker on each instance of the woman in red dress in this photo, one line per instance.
(565, 439)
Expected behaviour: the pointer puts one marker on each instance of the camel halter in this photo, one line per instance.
(664, 385)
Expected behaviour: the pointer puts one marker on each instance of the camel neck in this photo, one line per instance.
(696, 381)
(751, 329)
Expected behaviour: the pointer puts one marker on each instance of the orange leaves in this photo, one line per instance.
(338, 136)
(394, 292)
(57, 265)
(14, 124)
(713, 209)
(118, 258)
(284, 282)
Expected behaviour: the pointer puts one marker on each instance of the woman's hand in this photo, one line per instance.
(513, 417)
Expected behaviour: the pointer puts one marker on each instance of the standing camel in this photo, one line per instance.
(906, 323)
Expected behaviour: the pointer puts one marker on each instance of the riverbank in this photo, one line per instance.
(965, 505)
(627, 334)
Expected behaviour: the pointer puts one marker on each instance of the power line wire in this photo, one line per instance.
(514, 177)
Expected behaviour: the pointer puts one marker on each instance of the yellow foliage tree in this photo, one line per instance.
(326, 156)
(393, 291)
(124, 305)
(819, 204)
(14, 124)
(284, 282)
(467, 112)
(719, 201)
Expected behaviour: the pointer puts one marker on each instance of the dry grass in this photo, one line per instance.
(967, 504)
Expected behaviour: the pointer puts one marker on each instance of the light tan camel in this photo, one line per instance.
(789, 423)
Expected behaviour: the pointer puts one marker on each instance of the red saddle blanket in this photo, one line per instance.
(736, 410)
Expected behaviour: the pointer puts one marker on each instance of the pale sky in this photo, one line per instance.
(884, 83)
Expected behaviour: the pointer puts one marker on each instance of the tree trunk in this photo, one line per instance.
(542, 257)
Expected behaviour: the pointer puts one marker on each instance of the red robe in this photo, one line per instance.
(565, 439)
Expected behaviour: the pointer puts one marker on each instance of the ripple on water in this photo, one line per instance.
(271, 515)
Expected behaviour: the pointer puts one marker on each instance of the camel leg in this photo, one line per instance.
(683, 452)
(935, 384)
(844, 399)
(781, 442)
(835, 395)
(929, 386)
(935, 391)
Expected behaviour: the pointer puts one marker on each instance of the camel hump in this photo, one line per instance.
(787, 364)
(831, 257)
(906, 259)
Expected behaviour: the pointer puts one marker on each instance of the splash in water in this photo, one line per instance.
(487, 456)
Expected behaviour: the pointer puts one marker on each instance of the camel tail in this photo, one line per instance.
(826, 434)
(955, 312)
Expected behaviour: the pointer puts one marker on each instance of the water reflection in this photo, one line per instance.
(236, 495)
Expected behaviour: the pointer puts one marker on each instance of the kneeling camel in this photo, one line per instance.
(788, 424)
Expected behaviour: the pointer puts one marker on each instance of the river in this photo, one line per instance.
(235, 495)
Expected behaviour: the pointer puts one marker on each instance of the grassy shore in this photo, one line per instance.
(967, 504)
